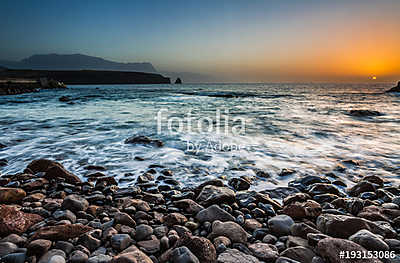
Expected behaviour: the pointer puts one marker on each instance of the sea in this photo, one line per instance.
(283, 131)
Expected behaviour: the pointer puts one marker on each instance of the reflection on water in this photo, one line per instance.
(302, 127)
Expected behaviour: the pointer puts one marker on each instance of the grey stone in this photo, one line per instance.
(280, 225)
(183, 255)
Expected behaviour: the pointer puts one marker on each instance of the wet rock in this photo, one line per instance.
(213, 195)
(7, 248)
(344, 226)
(308, 209)
(75, 203)
(302, 230)
(189, 206)
(143, 140)
(124, 219)
(120, 241)
(15, 239)
(13, 221)
(89, 241)
(235, 256)
(361, 187)
(330, 248)
(395, 89)
(364, 113)
(78, 257)
(61, 232)
(143, 231)
(65, 246)
(369, 240)
(229, 229)
(100, 259)
(286, 172)
(64, 215)
(53, 256)
(289, 260)
(132, 255)
(280, 225)
(95, 167)
(239, 184)
(314, 238)
(150, 246)
(213, 213)
(174, 219)
(11, 195)
(323, 188)
(301, 254)
(52, 170)
(39, 247)
(264, 252)
(183, 255)
(203, 249)
(252, 224)
(14, 258)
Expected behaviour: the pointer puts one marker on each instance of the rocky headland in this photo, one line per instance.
(48, 214)
(395, 89)
(19, 86)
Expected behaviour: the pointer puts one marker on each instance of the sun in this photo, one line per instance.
(374, 78)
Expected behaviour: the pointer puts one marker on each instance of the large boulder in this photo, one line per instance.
(52, 170)
(13, 221)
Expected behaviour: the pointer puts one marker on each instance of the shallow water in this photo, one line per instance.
(305, 127)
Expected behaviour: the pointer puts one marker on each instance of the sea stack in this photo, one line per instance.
(395, 89)
(178, 81)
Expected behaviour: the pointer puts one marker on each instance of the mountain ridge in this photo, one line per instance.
(56, 61)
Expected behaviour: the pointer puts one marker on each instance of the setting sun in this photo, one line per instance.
(373, 77)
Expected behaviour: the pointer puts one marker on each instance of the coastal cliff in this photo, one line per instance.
(87, 76)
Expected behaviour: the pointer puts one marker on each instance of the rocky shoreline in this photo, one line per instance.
(20, 86)
(47, 214)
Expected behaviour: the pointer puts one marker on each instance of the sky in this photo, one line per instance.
(244, 41)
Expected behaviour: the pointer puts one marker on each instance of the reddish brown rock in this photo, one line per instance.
(61, 232)
(174, 219)
(201, 247)
(297, 210)
(13, 221)
(52, 170)
(11, 195)
(330, 248)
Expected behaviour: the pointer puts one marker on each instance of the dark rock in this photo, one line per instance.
(54, 255)
(13, 221)
(229, 229)
(143, 140)
(213, 195)
(189, 206)
(52, 170)
(124, 219)
(280, 225)
(120, 241)
(308, 209)
(183, 255)
(11, 195)
(75, 203)
(39, 247)
(78, 257)
(369, 240)
(264, 252)
(61, 232)
(14, 258)
(213, 213)
(361, 187)
(178, 81)
(330, 248)
(15, 239)
(395, 89)
(7, 248)
(301, 254)
(364, 113)
(143, 231)
(174, 219)
(239, 184)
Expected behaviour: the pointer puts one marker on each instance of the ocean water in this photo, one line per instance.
(234, 130)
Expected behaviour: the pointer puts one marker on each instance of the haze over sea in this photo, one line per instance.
(304, 127)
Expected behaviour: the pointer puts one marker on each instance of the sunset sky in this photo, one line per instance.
(235, 40)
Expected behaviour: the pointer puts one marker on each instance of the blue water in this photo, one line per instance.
(304, 127)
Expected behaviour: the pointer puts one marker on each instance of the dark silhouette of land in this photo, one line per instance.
(74, 62)
(86, 77)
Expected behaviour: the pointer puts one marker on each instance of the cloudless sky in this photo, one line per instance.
(286, 40)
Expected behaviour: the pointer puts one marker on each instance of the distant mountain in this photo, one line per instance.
(75, 62)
